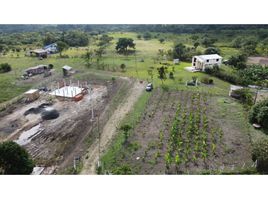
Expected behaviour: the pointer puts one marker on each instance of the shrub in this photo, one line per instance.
(259, 153)
(122, 170)
(259, 113)
(5, 67)
(244, 95)
(212, 50)
(206, 80)
(50, 66)
(123, 67)
(171, 75)
(262, 116)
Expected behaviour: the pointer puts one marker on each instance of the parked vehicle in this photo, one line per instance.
(149, 87)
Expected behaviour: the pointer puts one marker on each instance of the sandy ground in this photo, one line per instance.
(109, 130)
(258, 60)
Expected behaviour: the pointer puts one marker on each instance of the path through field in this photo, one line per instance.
(109, 130)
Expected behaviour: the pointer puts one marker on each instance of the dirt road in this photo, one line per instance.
(109, 130)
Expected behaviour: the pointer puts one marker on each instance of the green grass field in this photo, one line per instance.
(146, 51)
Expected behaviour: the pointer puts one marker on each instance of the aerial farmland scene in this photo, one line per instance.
(133, 99)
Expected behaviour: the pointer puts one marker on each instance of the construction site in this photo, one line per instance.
(58, 124)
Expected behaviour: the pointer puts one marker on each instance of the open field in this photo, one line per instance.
(146, 50)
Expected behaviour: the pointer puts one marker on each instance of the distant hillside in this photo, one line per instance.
(176, 28)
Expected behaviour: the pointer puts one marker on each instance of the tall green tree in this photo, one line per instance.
(123, 45)
(180, 51)
(14, 159)
(88, 58)
(62, 46)
(162, 73)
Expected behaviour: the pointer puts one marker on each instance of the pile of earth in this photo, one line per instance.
(46, 110)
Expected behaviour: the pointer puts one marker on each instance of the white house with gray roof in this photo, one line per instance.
(202, 61)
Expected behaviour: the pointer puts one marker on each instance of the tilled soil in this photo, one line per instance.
(144, 153)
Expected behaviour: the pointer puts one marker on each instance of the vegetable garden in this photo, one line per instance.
(177, 134)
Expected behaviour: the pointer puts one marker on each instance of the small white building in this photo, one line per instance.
(202, 61)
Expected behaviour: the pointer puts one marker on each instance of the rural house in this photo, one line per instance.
(39, 69)
(39, 53)
(51, 48)
(202, 61)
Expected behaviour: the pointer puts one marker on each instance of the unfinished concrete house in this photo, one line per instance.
(70, 91)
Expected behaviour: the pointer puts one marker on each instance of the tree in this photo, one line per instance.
(49, 39)
(196, 44)
(161, 73)
(208, 42)
(238, 61)
(249, 46)
(161, 40)
(14, 159)
(88, 58)
(104, 40)
(123, 66)
(62, 46)
(212, 50)
(179, 51)
(147, 36)
(123, 44)
(76, 38)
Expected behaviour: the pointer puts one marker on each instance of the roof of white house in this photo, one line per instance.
(208, 57)
(66, 67)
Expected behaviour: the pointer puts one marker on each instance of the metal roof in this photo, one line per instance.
(66, 67)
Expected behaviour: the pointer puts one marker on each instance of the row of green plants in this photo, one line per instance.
(192, 139)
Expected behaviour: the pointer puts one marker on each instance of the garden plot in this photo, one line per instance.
(181, 132)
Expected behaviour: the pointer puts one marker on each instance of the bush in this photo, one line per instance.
(212, 50)
(259, 113)
(171, 75)
(123, 67)
(5, 67)
(50, 66)
(244, 95)
(122, 170)
(206, 80)
(259, 153)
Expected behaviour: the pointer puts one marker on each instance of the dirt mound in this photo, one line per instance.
(37, 110)
(49, 113)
